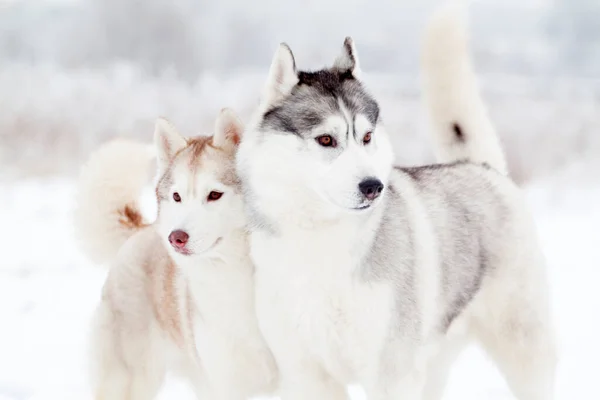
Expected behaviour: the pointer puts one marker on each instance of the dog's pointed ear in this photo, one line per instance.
(228, 129)
(167, 142)
(347, 61)
(282, 75)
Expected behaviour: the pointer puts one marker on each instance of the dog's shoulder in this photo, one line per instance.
(145, 271)
(443, 171)
(478, 179)
(463, 189)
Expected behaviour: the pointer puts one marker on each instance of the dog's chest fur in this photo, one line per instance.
(307, 281)
(225, 330)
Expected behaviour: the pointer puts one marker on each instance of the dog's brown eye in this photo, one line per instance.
(326, 141)
(367, 138)
(213, 196)
(176, 197)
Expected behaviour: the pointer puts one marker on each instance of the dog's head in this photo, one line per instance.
(317, 135)
(199, 198)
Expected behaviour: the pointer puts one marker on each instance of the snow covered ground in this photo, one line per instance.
(67, 85)
(48, 291)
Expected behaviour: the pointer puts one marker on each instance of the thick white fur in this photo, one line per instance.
(326, 323)
(452, 95)
(113, 177)
(163, 311)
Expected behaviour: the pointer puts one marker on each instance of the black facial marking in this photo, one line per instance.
(346, 75)
(317, 95)
(277, 119)
(359, 101)
(326, 79)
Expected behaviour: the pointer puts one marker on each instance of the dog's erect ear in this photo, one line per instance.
(347, 61)
(282, 75)
(167, 142)
(228, 129)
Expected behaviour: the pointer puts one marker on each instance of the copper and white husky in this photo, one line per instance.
(179, 295)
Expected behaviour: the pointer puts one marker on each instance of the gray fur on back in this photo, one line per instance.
(466, 214)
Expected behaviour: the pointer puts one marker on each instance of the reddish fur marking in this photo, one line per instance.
(232, 134)
(190, 321)
(164, 298)
(198, 146)
(131, 218)
(162, 185)
(170, 304)
(166, 146)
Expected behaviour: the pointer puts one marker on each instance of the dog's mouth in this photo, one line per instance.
(363, 206)
(357, 209)
(182, 250)
(187, 252)
(366, 205)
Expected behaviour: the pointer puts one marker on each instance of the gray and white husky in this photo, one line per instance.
(372, 274)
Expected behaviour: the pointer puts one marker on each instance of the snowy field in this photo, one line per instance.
(68, 84)
(48, 291)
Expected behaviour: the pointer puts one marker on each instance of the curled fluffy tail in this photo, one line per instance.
(108, 193)
(460, 125)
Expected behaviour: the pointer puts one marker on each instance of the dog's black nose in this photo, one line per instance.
(371, 188)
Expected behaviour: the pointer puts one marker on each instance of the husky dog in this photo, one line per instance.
(379, 275)
(179, 295)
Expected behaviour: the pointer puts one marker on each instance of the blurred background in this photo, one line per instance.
(75, 73)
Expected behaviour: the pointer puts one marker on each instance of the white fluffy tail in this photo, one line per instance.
(109, 189)
(461, 127)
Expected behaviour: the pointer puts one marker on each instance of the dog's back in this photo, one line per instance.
(474, 213)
